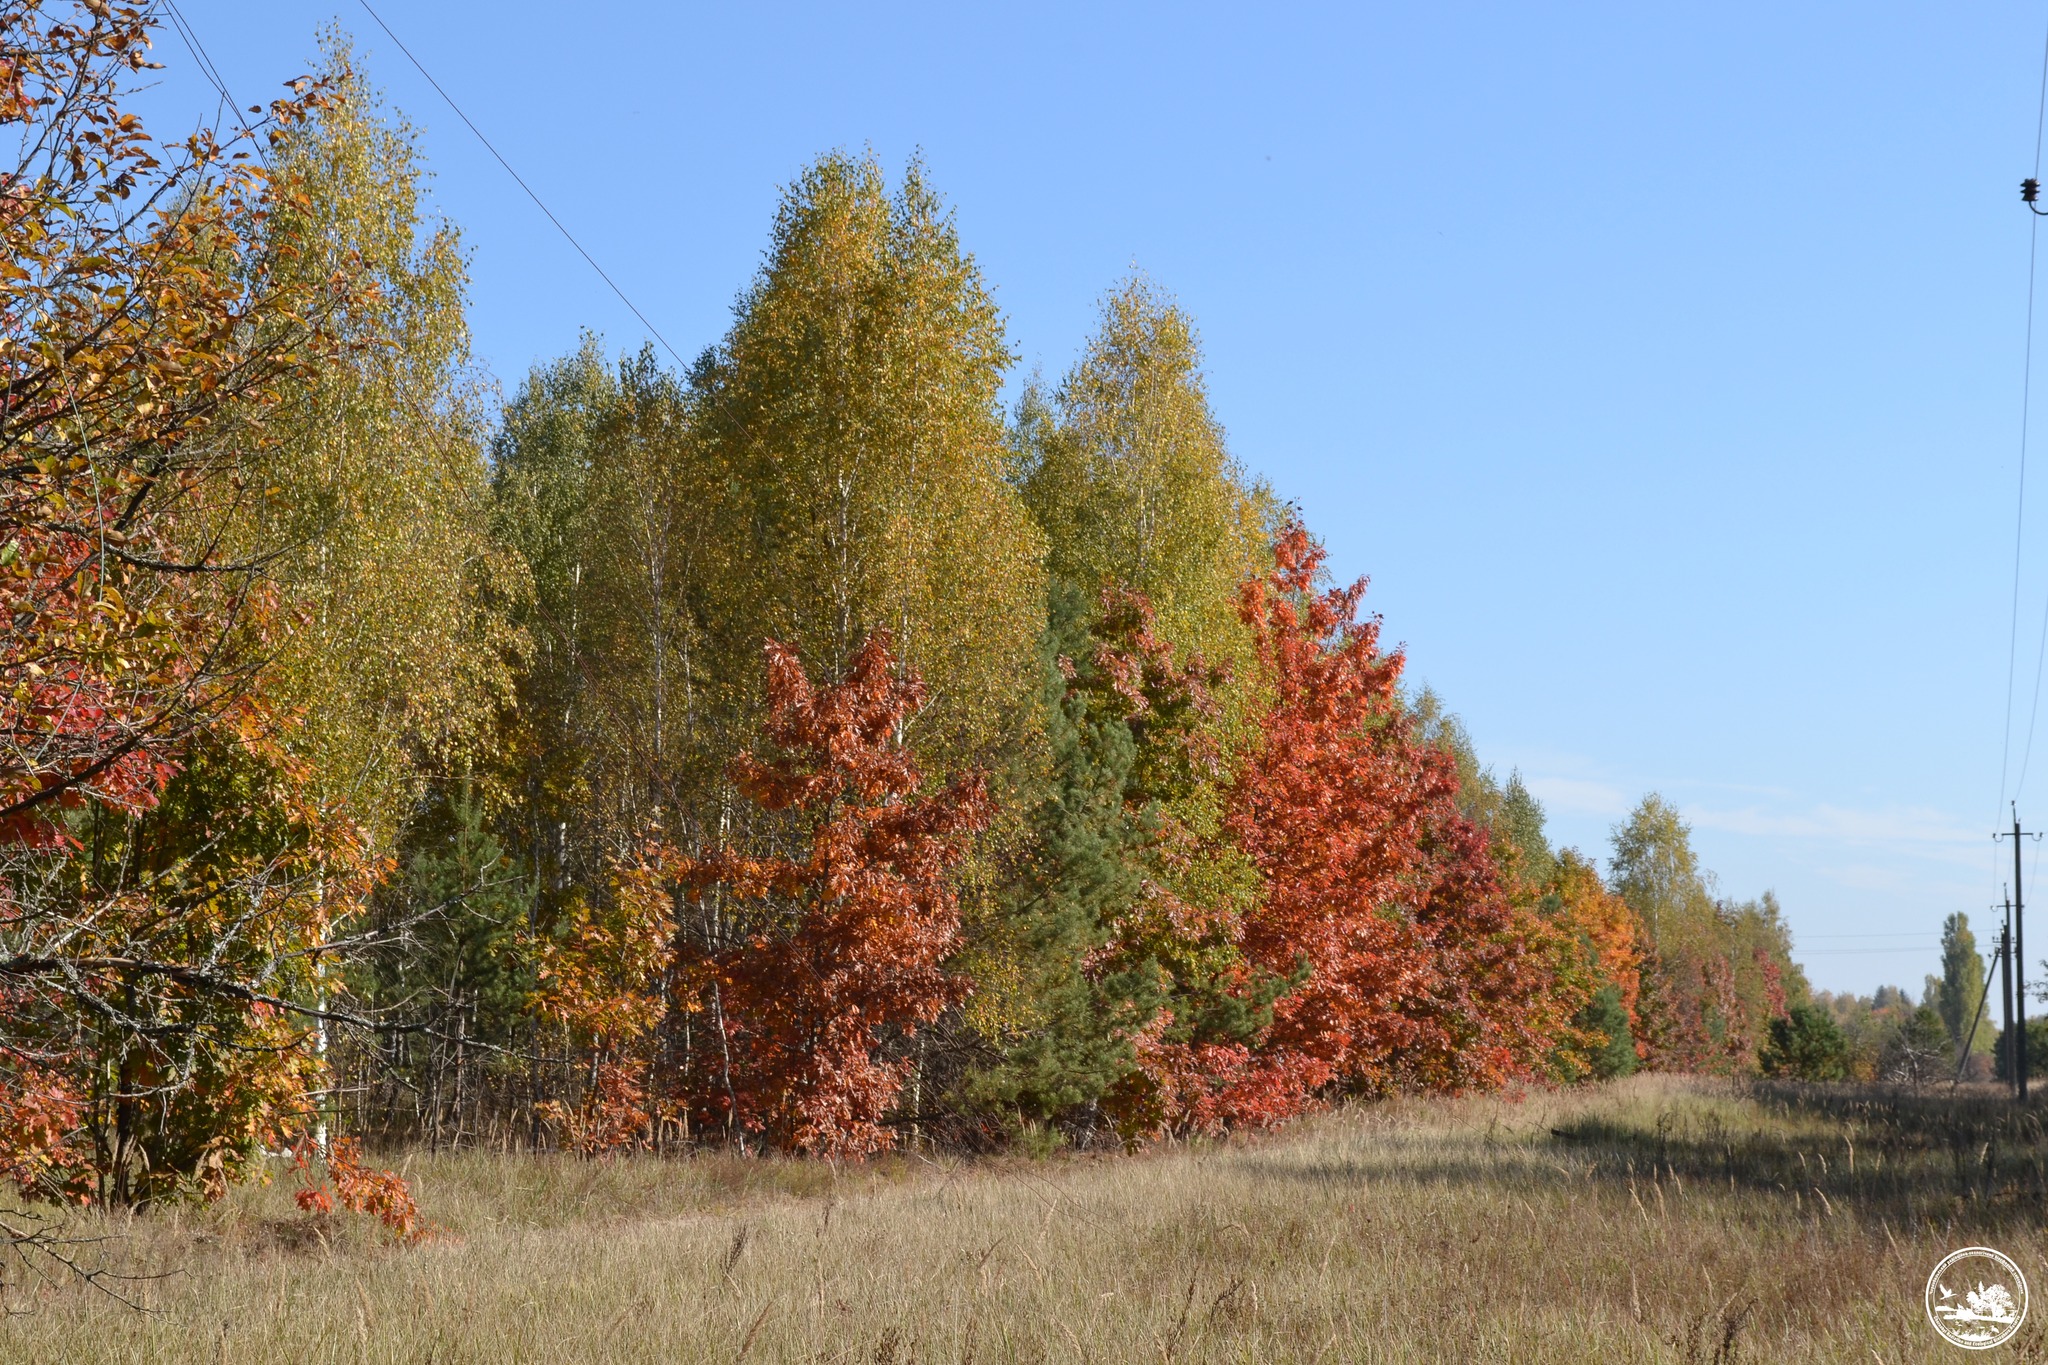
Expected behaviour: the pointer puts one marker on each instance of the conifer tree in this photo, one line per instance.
(1092, 853)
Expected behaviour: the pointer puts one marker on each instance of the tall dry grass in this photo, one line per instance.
(1652, 1220)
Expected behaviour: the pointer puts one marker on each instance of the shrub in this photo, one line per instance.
(1605, 1016)
(1806, 1044)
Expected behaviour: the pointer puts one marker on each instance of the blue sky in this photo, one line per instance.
(1661, 367)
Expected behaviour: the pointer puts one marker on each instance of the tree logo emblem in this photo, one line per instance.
(1977, 1298)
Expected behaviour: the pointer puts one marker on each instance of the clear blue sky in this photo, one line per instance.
(1662, 368)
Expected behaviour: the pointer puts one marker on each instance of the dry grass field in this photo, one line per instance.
(1651, 1220)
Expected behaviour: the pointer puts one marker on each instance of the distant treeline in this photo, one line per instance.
(801, 752)
(1954, 1033)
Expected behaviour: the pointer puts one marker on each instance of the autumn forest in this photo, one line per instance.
(836, 744)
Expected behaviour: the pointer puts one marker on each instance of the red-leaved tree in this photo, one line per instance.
(1379, 901)
(804, 957)
(1418, 970)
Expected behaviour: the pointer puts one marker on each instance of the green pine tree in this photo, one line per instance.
(1606, 1017)
(1066, 1042)
(1806, 1044)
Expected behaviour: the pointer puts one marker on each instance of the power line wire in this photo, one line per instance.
(200, 58)
(1861, 952)
(566, 234)
(203, 59)
(1903, 933)
(2020, 515)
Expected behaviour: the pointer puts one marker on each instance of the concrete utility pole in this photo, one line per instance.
(2005, 987)
(2018, 1056)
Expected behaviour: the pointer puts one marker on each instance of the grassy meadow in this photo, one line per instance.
(1655, 1219)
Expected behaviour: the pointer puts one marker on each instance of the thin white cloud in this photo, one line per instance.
(1922, 831)
(1890, 853)
(1579, 796)
(1883, 878)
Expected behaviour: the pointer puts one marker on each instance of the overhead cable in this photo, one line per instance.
(2028, 194)
(520, 181)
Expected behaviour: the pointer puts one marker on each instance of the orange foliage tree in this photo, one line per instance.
(802, 961)
(142, 319)
(1380, 948)
(606, 981)
(359, 1188)
(1609, 936)
(168, 886)
(1378, 898)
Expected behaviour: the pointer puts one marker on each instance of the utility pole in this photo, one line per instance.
(2019, 960)
(2005, 988)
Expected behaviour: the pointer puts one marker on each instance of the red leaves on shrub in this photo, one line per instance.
(613, 1117)
(361, 1189)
